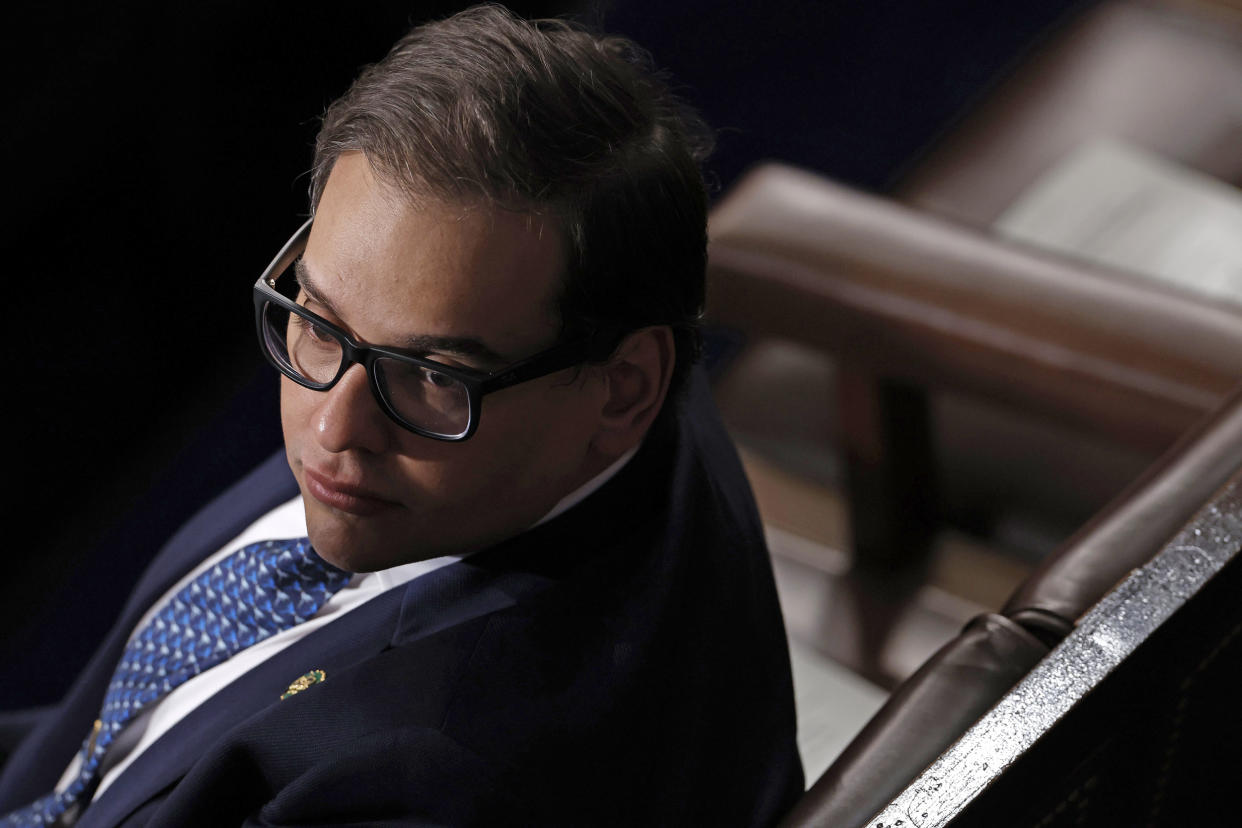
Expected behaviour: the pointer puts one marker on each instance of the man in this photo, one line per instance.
(535, 589)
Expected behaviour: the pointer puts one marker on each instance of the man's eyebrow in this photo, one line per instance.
(458, 346)
(302, 274)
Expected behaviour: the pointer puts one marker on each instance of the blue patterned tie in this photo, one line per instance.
(251, 595)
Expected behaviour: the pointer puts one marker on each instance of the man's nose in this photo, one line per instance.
(349, 416)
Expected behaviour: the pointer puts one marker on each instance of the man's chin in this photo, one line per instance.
(345, 543)
(353, 556)
(361, 545)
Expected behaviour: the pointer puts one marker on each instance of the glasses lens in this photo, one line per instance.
(300, 346)
(423, 397)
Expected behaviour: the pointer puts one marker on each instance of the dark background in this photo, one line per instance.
(155, 158)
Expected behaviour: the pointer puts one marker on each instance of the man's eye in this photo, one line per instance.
(437, 379)
(313, 331)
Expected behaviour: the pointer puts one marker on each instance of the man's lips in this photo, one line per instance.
(343, 496)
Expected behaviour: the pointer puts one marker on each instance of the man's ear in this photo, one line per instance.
(636, 381)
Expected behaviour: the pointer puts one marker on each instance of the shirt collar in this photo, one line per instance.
(588, 488)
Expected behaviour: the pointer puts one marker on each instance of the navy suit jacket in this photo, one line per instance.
(624, 663)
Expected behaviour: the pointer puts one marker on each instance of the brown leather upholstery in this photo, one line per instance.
(922, 717)
(1125, 535)
(907, 295)
(927, 713)
(945, 306)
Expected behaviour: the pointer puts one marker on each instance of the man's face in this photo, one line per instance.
(377, 495)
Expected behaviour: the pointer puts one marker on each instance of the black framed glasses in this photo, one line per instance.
(420, 394)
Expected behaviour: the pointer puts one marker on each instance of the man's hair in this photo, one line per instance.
(544, 117)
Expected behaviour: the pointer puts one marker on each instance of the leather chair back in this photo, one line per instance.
(965, 678)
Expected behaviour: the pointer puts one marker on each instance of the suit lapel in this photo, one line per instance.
(442, 599)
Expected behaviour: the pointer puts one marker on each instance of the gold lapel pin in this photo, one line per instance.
(302, 682)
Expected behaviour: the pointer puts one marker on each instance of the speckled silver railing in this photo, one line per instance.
(1104, 636)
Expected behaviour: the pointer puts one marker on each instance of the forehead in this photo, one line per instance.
(395, 268)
